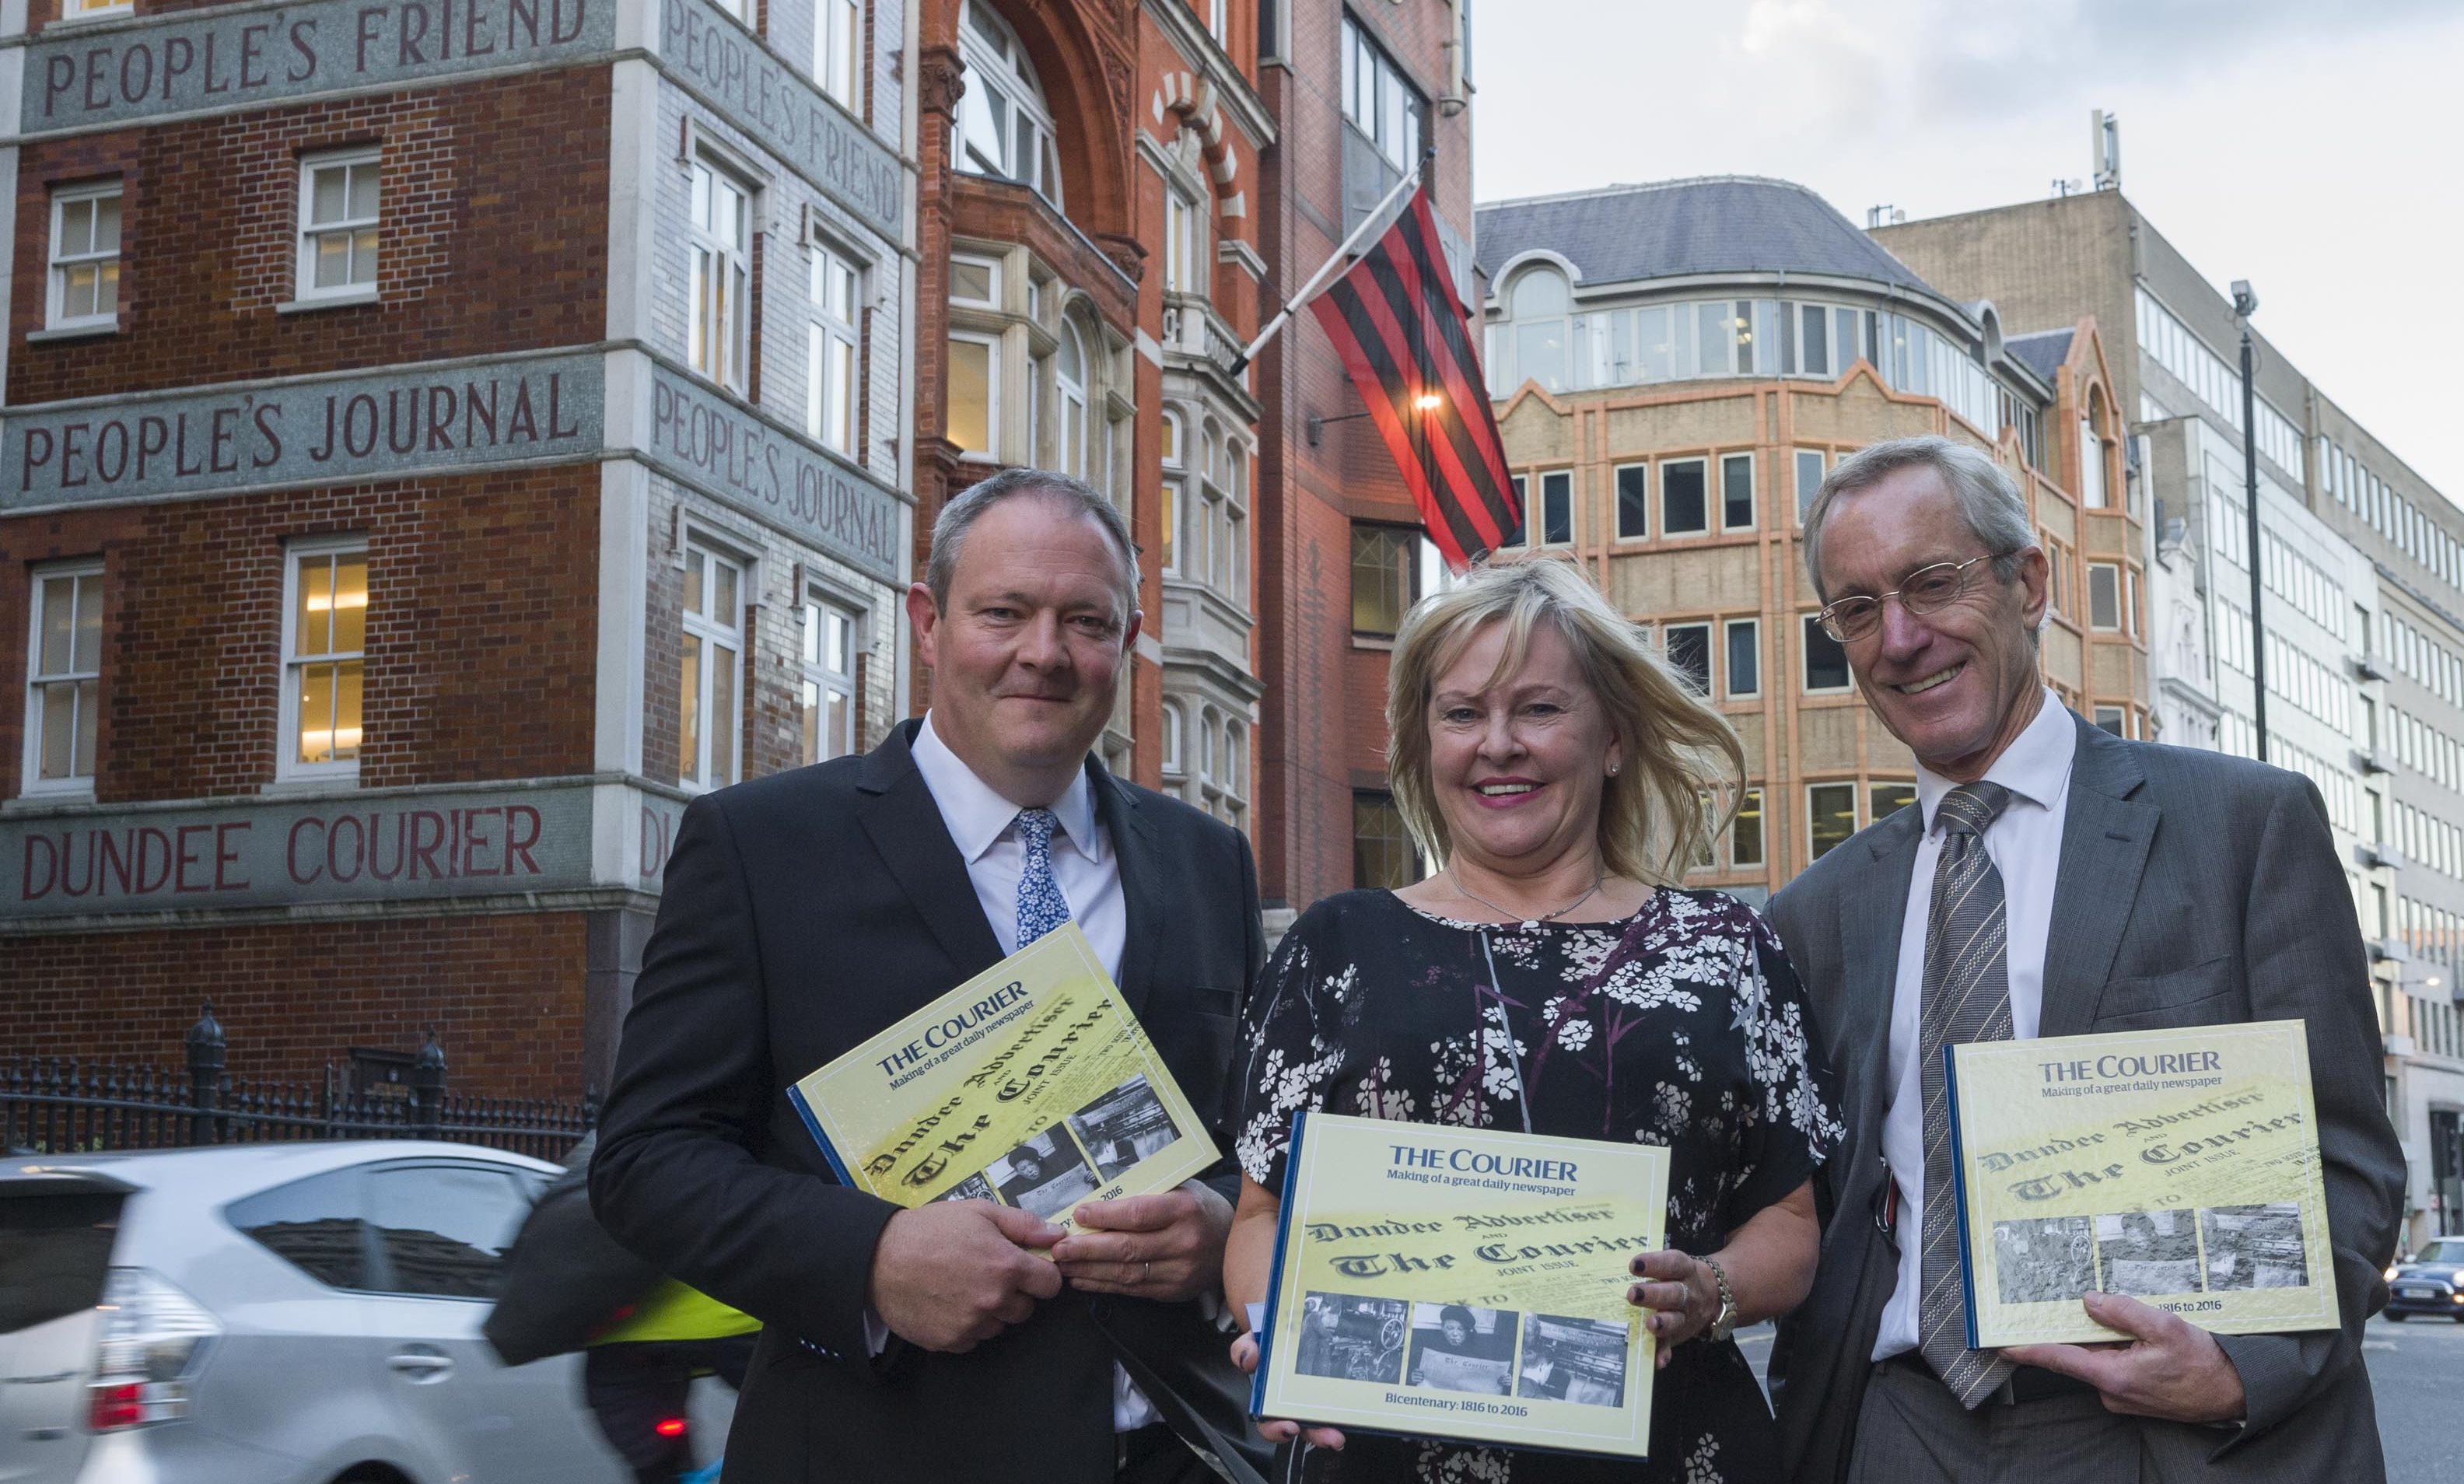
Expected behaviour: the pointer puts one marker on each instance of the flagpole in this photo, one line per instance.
(1318, 281)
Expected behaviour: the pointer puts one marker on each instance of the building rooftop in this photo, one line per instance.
(1707, 225)
(2043, 351)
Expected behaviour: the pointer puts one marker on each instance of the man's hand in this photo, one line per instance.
(2169, 1368)
(1168, 1246)
(953, 1275)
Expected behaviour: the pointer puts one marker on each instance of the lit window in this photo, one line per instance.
(838, 50)
(85, 256)
(1830, 816)
(1746, 832)
(1382, 854)
(1005, 128)
(1168, 512)
(706, 692)
(1889, 799)
(88, 10)
(973, 419)
(1381, 578)
(64, 696)
(337, 224)
(829, 681)
(718, 340)
(830, 358)
(324, 645)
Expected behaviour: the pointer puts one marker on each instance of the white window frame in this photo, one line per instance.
(286, 756)
(106, 265)
(1173, 720)
(1184, 237)
(1710, 660)
(1710, 495)
(998, 67)
(821, 678)
(838, 52)
(991, 452)
(1821, 466)
(39, 681)
(992, 267)
(696, 775)
(72, 11)
(1804, 659)
(1728, 650)
(2112, 570)
(1753, 495)
(1616, 499)
(310, 230)
(1069, 430)
(1538, 533)
(834, 349)
(718, 293)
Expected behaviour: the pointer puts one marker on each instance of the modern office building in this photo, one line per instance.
(1677, 367)
(2362, 566)
(440, 442)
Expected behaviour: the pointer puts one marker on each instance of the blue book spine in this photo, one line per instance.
(829, 1151)
(1959, 1192)
(1275, 1274)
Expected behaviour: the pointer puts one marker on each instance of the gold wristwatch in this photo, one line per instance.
(1725, 1324)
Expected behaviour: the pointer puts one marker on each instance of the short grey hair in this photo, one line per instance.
(1990, 503)
(949, 527)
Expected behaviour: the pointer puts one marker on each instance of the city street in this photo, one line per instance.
(2416, 1374)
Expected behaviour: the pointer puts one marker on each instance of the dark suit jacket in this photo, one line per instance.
(2194, 888)
(803, 912)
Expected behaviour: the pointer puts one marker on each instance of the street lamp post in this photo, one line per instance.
(2246, 304)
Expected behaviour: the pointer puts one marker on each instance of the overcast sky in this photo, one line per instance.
(2315, 147)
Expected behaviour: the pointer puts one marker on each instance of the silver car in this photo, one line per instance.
(272, 1313)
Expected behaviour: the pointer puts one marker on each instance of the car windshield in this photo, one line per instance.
(2442, 1251)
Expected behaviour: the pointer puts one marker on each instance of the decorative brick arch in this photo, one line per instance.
(1192, 101)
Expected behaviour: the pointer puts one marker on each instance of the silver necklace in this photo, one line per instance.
(1598, 876)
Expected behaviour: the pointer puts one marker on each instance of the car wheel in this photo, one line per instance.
(372, 1473)
(2393, 1318)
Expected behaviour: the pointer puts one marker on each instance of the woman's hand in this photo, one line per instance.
(1244, 1355)
(1680, 1291)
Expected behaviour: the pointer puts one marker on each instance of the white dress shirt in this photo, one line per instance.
(983, 825)
(2025, 842)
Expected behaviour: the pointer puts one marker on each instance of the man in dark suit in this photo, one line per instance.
(2051, 879)
(806, 911)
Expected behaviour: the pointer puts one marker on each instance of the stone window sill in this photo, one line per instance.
(73, 332)
(296, 307)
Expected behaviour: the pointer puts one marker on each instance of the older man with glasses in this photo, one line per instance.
(2124, 886)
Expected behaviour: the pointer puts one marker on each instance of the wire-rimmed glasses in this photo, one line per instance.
(1927, 590)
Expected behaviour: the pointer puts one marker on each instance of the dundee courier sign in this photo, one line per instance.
(338, 848)
(83, 77)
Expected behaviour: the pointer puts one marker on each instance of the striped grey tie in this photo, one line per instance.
(1967, 998)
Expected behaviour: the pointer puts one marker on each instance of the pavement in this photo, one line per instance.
(2416, 1378)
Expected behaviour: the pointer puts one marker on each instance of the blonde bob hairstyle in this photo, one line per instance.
(1683, 767)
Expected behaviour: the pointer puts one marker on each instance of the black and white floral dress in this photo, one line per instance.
(1680, 1026)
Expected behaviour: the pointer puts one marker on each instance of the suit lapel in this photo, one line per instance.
(905, 826)
(1871, 920)
(1138, 854)
(2106, 839)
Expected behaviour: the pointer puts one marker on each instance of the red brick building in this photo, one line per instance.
(437, 444)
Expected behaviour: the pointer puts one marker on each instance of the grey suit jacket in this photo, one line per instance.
(2194, 888)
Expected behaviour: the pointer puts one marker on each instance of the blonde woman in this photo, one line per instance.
(1554, 978)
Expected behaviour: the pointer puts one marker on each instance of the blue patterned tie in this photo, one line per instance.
(1041, 906)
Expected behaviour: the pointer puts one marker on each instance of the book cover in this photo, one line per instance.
(2178, 1166)
(1031, 1085)
(1462, 1283)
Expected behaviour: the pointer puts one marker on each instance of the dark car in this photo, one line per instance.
(2430, 1281)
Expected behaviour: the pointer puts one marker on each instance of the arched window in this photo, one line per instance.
(1005, 128)
(1539, 305)
(1072, 438)
(1171, 438)
(1208, 734)
(1172, 725)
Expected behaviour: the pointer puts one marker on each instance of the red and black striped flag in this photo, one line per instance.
(1404, 337)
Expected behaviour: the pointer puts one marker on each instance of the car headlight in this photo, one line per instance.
(2389, 1274)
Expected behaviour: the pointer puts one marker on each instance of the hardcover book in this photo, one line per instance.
(1462, 1283)
(2178, 1166)
(1030, 1085)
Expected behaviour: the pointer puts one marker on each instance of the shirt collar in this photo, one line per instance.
(2037, 765)
(977, 816)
